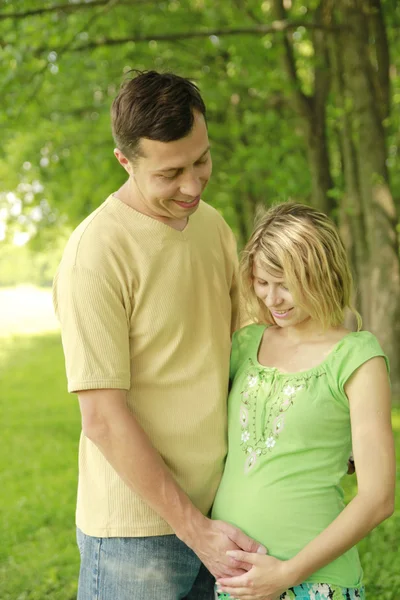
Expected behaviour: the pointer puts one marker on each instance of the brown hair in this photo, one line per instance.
(303, 244)
(157, 106)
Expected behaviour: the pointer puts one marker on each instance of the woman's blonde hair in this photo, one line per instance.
(304, 245)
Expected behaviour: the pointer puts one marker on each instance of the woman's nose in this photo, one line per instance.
(273, 298)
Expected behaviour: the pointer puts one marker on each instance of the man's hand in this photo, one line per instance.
(212, 539)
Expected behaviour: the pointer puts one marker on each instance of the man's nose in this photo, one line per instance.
(191, 186)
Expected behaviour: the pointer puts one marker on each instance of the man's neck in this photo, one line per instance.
(127, 195)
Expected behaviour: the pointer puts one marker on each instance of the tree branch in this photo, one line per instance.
(322, 75)
(274, 27)
(67, 8)
(108, 5)
(303, 102)
(381, 46)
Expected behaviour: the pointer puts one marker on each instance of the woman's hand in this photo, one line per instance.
(267, 579)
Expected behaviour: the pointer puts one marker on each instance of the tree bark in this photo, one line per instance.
(312, 109)
(380, 273)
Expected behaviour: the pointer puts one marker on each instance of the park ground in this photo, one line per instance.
(38, 465)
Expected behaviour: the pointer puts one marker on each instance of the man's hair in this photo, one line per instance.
(302, 244)
(156, 106)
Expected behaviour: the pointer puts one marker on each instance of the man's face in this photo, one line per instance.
(169, 178)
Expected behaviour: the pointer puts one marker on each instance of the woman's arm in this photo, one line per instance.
(368, 392)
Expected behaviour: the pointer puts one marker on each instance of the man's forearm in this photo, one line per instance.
(108, 423)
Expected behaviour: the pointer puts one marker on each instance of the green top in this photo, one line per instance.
(289, 442)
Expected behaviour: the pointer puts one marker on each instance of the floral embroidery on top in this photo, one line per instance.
(253, 444)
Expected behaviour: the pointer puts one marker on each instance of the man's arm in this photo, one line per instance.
(109, 424)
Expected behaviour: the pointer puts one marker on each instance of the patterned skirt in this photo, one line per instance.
(315, 591)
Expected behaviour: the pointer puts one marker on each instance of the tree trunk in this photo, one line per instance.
(352, 217)
(366, 175)
(312, 109)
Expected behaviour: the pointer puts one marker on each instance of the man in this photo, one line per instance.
(146, 296)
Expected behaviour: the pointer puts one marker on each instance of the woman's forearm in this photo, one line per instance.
(359, 517)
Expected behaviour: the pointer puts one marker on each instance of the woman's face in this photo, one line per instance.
(272, 291)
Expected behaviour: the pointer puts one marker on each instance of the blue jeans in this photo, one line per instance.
(145, 568)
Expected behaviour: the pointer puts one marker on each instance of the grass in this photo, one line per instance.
(38, 465)
(38, 471)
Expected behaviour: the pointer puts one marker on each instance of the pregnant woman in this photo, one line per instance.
(305, 393)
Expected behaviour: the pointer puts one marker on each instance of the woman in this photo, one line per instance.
(305, 392)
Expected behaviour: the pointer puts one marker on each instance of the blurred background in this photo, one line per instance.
(303, 101)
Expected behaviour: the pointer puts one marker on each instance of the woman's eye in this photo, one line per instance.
(284, 287)
(261, 282)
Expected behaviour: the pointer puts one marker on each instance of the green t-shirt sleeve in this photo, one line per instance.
(245, 343)
(235, 357)
(351, 356)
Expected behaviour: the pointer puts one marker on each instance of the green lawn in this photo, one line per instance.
(38, 466)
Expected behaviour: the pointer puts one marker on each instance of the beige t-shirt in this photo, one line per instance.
(149, 309)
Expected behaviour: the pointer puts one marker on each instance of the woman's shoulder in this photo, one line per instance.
(245, 342)
(248, 333)
(353, 350)
(359, 342)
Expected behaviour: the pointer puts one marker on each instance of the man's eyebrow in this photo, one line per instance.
(163, 170)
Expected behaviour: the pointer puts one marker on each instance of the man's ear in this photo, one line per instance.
(123, 161)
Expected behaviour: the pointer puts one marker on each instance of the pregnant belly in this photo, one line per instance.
(284, 520)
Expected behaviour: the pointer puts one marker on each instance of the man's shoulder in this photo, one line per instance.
(206, 211)
(95, 236)
(210, 219)
(210, 212)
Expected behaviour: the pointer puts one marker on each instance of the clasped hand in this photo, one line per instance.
(266, 579)
(213, 540)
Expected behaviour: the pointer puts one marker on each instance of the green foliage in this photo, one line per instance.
(56, 100)
(24, 265)
(57, 89)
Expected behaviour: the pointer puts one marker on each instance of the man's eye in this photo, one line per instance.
(170, 177)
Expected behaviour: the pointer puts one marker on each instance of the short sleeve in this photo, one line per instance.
(245, 343)
(235, 356)
(356, 350)
(94, 329)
